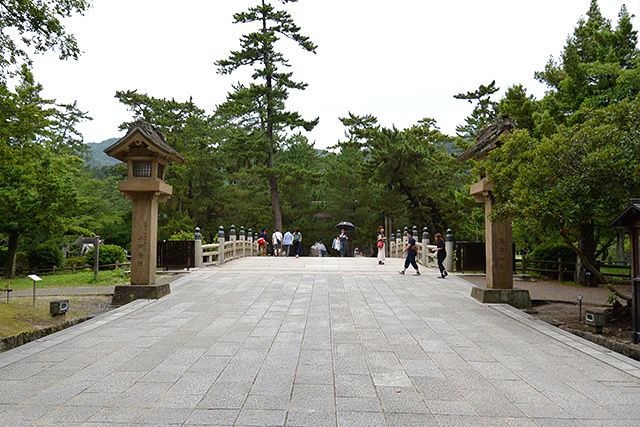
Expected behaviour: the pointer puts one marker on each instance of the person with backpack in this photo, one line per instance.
(411, 251)
(277, 242)
(262, 244)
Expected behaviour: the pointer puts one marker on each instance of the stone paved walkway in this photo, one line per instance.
(316, 342)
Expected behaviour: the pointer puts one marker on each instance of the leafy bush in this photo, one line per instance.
(185, 235)
(3, 255)
(77, 260)
(109, 254)
(553, 252)
(182, 235)
(45, 255)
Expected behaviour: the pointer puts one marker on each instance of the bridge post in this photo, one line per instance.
(398, 243)
(232, 239)
(425, 250)
(391, 245)
(198, 248)
(448, 245)
(242, 240)
(221, 245)
(251, 244)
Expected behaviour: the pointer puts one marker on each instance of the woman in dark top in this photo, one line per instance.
(297, 242)
(411, 251)
(442, 254)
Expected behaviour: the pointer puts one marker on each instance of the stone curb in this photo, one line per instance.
(14, 341)
(629, 350)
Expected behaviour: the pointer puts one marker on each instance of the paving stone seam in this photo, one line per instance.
(385, 300)
(65, 335)
(306, 324)
(424, 400)
(598, 352)
(360, 341)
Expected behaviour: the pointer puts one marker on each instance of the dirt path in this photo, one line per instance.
(546, 290)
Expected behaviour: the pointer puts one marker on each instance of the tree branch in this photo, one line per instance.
(591, 268)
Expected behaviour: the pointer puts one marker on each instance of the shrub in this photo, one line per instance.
(3, 255)
(553, 252)
(77, 260)
(109, 254)
(45, 255)
(186, 235)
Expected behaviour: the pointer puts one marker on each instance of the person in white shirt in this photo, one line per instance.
(277, 242)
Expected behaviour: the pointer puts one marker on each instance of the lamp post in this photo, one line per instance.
(630, 219)
(147, 154)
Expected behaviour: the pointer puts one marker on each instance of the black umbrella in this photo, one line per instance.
(346, 225)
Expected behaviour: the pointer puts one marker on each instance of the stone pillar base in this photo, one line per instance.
(518, 298)
(124, 294)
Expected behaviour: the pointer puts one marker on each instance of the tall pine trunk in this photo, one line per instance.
(273, 182)
(587, 245)
(12, 252)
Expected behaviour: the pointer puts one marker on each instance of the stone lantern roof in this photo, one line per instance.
(489, 138)
(629, 217)
(154, 140)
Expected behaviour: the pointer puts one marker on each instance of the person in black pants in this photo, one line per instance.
(442, 254)
(411, 251)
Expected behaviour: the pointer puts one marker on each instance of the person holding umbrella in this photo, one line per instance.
(343, 243)
(344, 226)
(411, 251)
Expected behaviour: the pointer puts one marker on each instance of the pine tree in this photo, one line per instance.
(258, 109)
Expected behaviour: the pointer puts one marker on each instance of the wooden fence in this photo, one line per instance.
(564, 270)
(75, 268)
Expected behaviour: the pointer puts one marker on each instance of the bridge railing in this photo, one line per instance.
(244, 245)
(226, 249)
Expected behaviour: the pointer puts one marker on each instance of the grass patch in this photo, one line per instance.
(615, 270)
(20, 315)
(69, 280)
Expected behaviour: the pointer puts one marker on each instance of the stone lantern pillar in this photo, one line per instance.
(498, 241)
(630, 219)
(146, 153)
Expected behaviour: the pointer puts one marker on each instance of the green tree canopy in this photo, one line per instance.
(35, 25)
(35, 177)
(574, 163)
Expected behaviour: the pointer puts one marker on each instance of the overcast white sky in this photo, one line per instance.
(400, 60)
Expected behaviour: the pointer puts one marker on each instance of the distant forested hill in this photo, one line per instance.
(96, 157)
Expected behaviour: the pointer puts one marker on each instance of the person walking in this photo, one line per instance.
(381, 245)
(287, 241)
(263, 245)
(343, 243)
(336, 245)
(411, 251)
(441, 254)
(297, 242)
(277, 242)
